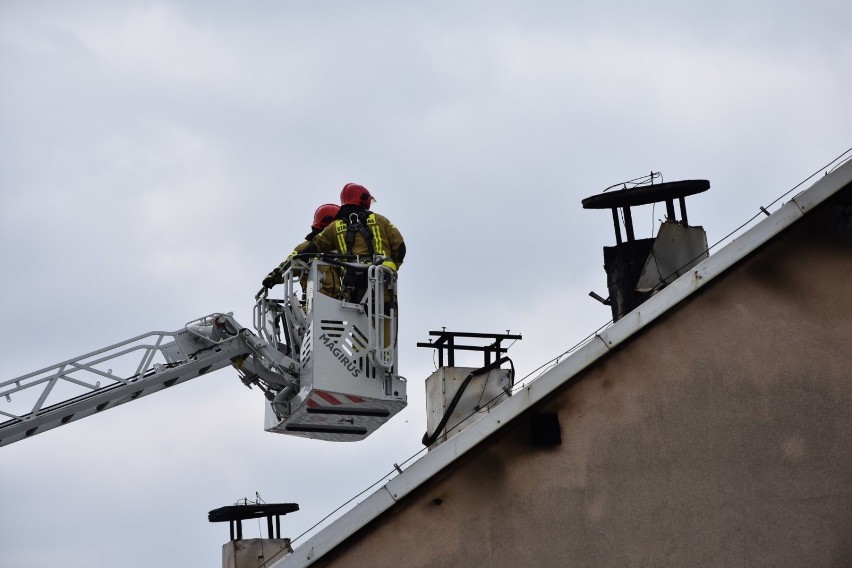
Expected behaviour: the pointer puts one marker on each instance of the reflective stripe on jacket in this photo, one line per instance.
(387, 240)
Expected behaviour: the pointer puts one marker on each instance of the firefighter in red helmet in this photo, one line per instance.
(359, 231)
(323, 216)
(355, 194)
(347, 236)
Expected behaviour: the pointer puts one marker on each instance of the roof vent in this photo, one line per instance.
(638, 268)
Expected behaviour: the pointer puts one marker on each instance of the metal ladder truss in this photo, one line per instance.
(88, 384)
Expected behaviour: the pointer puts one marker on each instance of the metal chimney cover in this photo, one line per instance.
(646, 194)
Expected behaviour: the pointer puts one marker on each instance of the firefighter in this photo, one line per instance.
(323, 216)
(359, 231)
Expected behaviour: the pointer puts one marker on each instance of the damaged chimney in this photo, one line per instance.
(638, 268)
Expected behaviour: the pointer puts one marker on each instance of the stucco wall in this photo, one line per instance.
(719, 436)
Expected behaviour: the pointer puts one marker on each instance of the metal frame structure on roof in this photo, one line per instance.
(447, 342)
(624, 199)
(428, 466)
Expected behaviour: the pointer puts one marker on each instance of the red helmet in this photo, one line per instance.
(354, 194)
(324, 215)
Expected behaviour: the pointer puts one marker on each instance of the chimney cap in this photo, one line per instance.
(646, 194)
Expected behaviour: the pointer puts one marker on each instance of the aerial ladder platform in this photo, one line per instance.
(327, 365)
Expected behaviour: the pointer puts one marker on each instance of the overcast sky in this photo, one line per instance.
(157, 159)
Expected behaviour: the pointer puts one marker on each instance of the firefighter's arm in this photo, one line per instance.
(275, 277)
(300, 248)
(397, 244)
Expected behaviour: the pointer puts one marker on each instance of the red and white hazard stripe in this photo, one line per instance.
(323, 398)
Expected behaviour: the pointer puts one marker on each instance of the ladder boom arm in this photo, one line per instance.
(148, 363)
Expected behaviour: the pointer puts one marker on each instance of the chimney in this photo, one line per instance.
(457, 396)
(638, 268)
(242, 552)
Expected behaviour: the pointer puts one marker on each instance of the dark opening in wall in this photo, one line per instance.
(545, 430)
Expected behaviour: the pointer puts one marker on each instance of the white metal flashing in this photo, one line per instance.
(443, 455)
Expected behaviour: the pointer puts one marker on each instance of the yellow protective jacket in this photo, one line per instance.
(330, 275)
(387, 240)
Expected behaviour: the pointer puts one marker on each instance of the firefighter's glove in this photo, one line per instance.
(272, 278)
